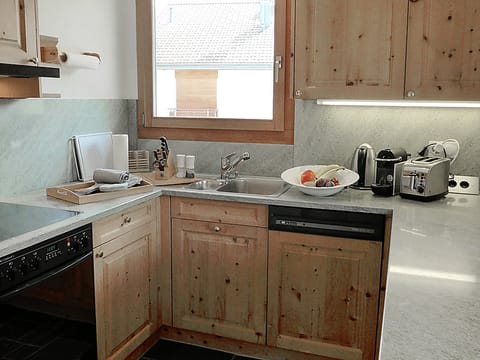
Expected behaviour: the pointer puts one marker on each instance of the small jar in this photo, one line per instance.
(190, 166)
(180, 163)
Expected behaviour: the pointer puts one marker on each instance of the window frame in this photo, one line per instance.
(279, 131)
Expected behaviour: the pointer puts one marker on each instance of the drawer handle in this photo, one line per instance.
(99, 255)
(217, 228)
(127, 220)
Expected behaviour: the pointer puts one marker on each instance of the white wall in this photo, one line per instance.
(106, 27)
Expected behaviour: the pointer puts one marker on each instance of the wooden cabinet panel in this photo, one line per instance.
(323, 294)
(219, 277)
(122, 222)
(125, 292)
(18, 31)
(220, 211)
(443, 54)
(350, 49)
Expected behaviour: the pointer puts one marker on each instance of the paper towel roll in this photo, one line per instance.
(120, 151)
(80, 61)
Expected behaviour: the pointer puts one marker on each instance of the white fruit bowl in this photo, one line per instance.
(346, 178)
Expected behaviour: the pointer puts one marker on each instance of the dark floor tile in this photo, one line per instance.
(7, 345)
(63, 348)
(166, 350)
(15, 329)
(21, 353)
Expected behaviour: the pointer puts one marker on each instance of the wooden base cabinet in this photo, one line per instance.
(323, 295)
(219, 270)
(125, 284)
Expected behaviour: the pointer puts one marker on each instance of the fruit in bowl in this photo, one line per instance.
(329, 179)
(308, 178)
(324, 177)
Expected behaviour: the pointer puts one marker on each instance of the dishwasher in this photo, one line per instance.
(326, 281)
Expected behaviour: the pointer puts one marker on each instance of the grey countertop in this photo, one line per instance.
(433, 292)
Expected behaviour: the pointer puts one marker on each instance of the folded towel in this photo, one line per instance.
(134, 180)
(110, 176)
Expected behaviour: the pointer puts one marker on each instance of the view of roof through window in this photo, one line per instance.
(214, 58)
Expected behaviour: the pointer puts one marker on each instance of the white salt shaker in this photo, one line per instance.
(180, 163)
(190, 166)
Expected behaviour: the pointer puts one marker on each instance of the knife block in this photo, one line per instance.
(168, 171)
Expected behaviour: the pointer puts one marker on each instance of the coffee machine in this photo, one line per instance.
(388, 171)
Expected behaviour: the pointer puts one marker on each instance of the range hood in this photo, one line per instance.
(28, 71)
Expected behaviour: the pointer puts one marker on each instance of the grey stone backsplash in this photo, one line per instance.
(326, 134)
(36, 151)
(329, 134)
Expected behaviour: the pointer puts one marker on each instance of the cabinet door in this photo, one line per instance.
(18, 31)
(350, 49)
(219, 279)
(323, 294)
(443, 54)
(125, 301)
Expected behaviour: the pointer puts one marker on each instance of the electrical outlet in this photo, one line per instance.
(463, 185)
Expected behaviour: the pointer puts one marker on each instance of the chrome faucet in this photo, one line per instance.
(229, 163)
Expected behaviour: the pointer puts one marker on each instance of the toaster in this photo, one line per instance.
(425, 178)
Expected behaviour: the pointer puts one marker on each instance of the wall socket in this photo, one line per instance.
(463, 185)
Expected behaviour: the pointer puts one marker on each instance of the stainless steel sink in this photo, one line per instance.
(269, 187)
(209, 184)
(252, 186)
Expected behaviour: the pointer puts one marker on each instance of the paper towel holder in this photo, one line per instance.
(63, 55)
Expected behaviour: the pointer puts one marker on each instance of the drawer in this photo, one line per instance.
(122, 222)
(220, 211)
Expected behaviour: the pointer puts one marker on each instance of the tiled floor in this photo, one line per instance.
(26, 335)
(169, 350)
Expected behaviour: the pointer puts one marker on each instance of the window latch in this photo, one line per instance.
(278, 66)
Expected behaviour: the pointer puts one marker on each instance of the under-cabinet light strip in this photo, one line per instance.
(401, 103)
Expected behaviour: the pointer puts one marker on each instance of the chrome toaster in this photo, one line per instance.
(425, 178)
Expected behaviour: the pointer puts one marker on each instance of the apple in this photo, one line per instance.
(308, 178)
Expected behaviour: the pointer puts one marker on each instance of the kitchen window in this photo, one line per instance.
(215, 70)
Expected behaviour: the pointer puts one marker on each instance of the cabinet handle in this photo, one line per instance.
(99, 255)
(34, 60)
(127, 220)
(410, 93)
(217, 228)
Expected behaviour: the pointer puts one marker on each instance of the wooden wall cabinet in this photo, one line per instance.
(18, 32)
(387, 49)
(125, 276)
(219, 268)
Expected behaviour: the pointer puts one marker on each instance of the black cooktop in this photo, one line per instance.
(19, 219)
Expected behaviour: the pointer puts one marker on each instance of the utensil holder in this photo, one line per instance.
(167, 172)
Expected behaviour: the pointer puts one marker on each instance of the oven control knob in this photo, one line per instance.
(23, 269)
(420, 189)
(34, 263)
(10, 274)
(76, 245)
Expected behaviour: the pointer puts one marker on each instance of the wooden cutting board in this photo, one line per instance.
(150, 177)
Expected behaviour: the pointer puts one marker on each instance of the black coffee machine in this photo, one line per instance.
(388, 171)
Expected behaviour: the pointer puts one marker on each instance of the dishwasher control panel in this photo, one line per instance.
(327, 222)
